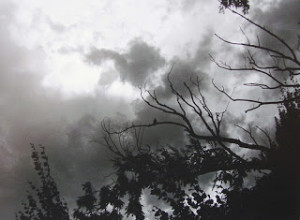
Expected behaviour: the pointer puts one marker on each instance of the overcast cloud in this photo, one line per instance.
(135, 66)
(66, 66)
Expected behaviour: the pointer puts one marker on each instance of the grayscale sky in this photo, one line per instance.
(65, 65)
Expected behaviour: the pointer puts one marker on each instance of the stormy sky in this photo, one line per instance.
(67, 65)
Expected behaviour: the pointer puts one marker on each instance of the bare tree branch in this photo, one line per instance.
(211, 122)
(256, 102)
(281, 73)
(271, 34)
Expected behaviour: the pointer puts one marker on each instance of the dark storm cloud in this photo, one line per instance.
(283, 19)
(185, 70)
(135, 66)
(159, 135)
(182, 71)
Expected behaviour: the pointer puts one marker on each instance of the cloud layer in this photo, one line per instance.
(135, 66)
(69, 126)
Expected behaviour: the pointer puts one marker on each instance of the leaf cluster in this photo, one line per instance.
(44, 201)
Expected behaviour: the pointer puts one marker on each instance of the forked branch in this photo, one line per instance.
(282, 73)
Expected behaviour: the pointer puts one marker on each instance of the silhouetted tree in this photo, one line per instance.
(93, 205)
(276, 195)
(44, 201)
(171, 175)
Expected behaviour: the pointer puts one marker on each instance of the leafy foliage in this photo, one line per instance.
(244, 4)
(43, 202)
(171, 175)
(90, 207)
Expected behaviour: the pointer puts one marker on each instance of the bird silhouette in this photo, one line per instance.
(154, 121)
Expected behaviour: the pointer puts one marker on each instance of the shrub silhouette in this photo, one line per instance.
(44, 201)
